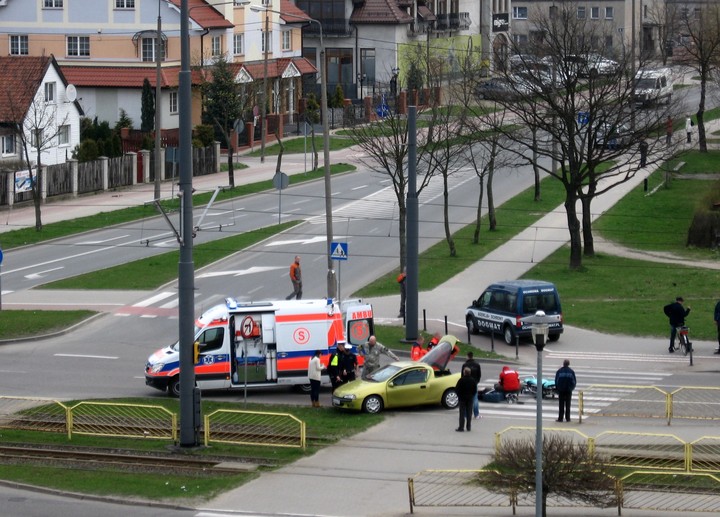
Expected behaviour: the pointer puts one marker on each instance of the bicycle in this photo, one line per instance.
(683, 341)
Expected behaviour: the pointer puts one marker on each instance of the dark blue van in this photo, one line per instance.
(501, 307)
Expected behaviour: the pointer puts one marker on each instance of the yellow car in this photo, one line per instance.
(405, 383)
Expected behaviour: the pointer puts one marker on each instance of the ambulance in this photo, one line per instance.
(261, 344)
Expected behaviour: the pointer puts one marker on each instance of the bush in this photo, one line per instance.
(205, 134)
(705, 226)
(87, 151)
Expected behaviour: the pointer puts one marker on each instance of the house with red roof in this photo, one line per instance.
(38, 108)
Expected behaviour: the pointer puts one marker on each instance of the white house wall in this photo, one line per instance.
(51, 116)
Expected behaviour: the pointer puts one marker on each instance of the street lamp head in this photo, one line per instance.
(540, 328)
(257, 8)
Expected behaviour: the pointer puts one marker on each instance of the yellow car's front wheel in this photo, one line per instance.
(373, 404)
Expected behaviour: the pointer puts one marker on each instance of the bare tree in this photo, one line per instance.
(701, 47)
(569, 470)
(582, 121)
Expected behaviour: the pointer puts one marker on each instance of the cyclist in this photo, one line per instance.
(676, 314)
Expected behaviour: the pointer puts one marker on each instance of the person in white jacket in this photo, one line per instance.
(689, 129)
(315, 375)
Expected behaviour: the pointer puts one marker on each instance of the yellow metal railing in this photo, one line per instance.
(254, 428)
(122, 419)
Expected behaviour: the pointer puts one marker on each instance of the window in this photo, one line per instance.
(520, 39)
(553, 11)
(238, 44)
(148, 49)
(520, 13)
(609, 42)
(173, 102)
(594, 13)
(609, 13)
(36, 138)
(7, 144)
(216, 45)
(581, 12)
(49, 92)
(367, 64)
(266, 42)
(124, 4)
(53, 4)
(19, 45)
(286, 40)
(64, 135)
(78, 46)
(239, 3)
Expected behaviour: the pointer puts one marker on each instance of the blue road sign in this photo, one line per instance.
(339, 250)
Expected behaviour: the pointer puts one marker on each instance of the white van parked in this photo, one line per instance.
(653, 86)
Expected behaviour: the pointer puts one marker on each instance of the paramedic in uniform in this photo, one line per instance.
(372, 350)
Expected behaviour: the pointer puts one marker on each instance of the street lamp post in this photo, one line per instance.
(158, 97)
(331, 282)
(540, 327)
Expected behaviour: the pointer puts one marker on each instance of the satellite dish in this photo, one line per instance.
(71, 93)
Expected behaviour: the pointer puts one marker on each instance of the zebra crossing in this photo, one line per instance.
(594, 401)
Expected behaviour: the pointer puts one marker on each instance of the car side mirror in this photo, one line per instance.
(391, 384)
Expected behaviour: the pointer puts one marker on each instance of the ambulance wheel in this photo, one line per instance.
(174, 387)
(450, 399)
(373, 404)
(302, 388)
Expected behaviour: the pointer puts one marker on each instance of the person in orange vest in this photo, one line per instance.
(434, 341)
(417, 350)
(296, 279)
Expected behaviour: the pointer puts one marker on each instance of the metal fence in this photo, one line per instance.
(639, 490)
(702, 403)
(254, 428)
(148, 421)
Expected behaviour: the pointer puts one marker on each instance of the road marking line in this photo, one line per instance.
(82, 356)
(154, 299)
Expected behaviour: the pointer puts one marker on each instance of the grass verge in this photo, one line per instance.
(27, 236)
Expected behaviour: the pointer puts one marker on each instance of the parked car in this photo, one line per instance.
(405, 383)
(613, 136)
(653, 86)
(502, 89)
(500, 309)
(599, 65)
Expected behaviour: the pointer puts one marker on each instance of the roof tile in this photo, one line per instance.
(22, 76)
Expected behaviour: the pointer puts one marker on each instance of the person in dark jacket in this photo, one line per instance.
(476, 373)
(466, 387)
(716, 317)
(676, 314)
(564, 384)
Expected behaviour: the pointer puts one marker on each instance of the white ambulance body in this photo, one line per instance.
(262, 343)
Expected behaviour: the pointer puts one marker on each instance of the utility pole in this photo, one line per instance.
(263, 97)
(158, 95)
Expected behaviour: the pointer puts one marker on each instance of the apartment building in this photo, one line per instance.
(106, 48)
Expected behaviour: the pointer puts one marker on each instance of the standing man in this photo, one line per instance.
(403, 293)
(465, 388)
(296, 279)
(315, 376)
(688, 129)
(717, 324)
(417, 350)
(372, 355)
(476, 373)
(564, 384)
(676, 314)
(668, 130)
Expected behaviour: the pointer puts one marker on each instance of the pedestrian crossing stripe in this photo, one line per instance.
(339, 251)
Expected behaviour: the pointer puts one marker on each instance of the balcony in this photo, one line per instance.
(452, 22)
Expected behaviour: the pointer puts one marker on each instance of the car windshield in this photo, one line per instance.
(384, 373)
(176, 347)
(646, 82)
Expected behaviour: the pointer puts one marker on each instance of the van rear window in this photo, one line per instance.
(546, 302)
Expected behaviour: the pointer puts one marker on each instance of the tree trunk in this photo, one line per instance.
(446, 217)
(588, 242)
(491, 202)
(231, 172)
(402, 234)
(536, 169)
(702, 139)
(314, 149)
(478, 218)
(37, 198)
(573, 227)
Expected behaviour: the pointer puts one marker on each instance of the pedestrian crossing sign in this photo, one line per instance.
(339, 251)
